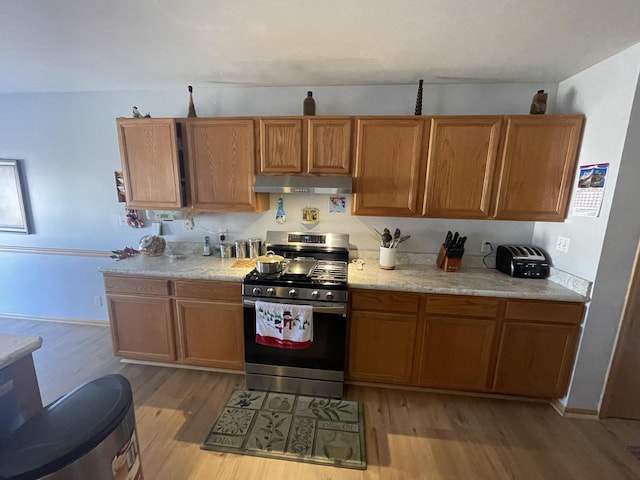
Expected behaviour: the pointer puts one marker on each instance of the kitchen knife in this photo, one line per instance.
(453, 242)
(447, 240)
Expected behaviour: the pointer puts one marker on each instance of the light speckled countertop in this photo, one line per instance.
(14, 347)
(413, 273)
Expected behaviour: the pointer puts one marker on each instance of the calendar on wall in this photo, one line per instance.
(590, 191)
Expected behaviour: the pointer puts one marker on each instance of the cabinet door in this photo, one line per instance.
(535, 359)
(538, 161)
(280, 145)
(381, 347)
(329, 145)
(456, 353)
(142, 327)
(222, 155)
(150, 162)
(461, 166)
(389, 165)
(210, 334)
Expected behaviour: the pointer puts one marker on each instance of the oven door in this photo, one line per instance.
(326, 352)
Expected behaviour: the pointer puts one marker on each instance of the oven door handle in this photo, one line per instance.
(339, 310)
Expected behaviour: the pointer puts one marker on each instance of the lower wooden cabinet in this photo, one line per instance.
(210, 334)
(456, 353)
(181, 321)
(468, 343)
(537, 348)
(142, 327)
(381, 347)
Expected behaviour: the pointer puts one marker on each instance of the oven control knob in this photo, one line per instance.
(257, 291)
(315, 294)
(293, 292)
(329, 295)
(271, 291)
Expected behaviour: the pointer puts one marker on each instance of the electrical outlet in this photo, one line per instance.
(562, 244)
(188, 222)
(97, 301)
(486, 247)
(222, 234)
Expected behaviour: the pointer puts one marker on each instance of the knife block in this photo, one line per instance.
(446, 263)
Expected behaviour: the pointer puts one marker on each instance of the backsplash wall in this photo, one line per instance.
(426, 234)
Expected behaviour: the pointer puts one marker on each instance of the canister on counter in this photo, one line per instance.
(226, 250)
(241, 248)
(255, 247)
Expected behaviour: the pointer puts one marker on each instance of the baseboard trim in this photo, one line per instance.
(55, 251)
(44, 318)
(496, 396)
(181, 365)
(579, 413)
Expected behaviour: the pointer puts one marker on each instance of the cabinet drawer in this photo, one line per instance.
(384, 300)
(463, 305)
(548, 312)
(209, 290)
(136, 285)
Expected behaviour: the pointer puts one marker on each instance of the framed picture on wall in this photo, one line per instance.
(14, 215)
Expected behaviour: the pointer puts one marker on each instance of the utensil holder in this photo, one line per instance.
(446, 263)
(387, 258)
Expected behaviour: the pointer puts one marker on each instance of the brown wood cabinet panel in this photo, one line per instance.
(534, 359)
(209, 290)
(538, 161)
(210, 334)
(222, 159)
(463, 305)
(150, 162)
(136, 285)
(545, 311)
(389, 165)
(384, 301)
(456, 353)
(461, 166)
(329, 145)
(381, 347)
(142, 327)
(280, 145)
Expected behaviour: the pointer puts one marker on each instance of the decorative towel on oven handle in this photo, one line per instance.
(283, 325)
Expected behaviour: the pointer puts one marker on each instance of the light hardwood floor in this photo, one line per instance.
(409, 434)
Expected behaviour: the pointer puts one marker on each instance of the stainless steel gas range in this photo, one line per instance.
(314, 274)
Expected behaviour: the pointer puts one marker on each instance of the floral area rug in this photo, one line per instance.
(291, 427)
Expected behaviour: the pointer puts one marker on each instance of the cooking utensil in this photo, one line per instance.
(386, 239)
(269, 263)
(396, 238)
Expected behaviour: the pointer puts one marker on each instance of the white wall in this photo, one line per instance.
(68, 143)
(602, 249)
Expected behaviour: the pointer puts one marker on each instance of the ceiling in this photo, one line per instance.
(89, 45)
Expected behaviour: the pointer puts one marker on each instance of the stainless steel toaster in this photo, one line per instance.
(523, 261)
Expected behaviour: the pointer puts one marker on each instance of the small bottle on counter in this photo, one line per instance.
(309, 105)
(206, 249)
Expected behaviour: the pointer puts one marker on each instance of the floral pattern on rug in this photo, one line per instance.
(291, 427)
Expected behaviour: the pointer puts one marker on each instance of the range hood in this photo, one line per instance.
(302, 184)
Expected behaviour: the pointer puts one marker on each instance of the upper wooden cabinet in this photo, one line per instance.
(152, 163)
(280, 145)
(221, 160)
(329, 145)
(461, 166)
(538, 161)
(295, 145)
(390, 154)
